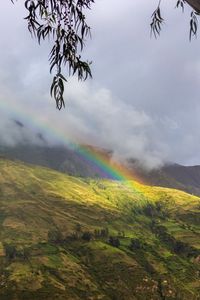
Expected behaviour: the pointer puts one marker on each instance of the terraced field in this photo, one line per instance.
(64, 237)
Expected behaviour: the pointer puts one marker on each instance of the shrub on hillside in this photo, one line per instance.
(114, 241)
(10, 251)
(87, 236)
(55, 237)
(136, 244)
(104, 232)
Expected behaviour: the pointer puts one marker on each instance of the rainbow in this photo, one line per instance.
(98, 161)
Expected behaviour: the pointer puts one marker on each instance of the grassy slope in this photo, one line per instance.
(35, 201)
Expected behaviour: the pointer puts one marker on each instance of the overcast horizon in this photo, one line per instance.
(143, 100)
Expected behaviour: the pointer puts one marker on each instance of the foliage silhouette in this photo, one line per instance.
(64, 23)
(157, 19)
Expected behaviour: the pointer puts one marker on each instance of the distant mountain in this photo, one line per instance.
(68, 161)
(67, 238)
(59, 158)
(186, 178)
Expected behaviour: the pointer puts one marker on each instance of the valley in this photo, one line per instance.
(65, 237)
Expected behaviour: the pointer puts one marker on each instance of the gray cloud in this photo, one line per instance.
(143, 101)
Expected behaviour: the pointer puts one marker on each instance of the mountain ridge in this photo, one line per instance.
(66, 160)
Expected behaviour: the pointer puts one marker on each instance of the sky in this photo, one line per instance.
(143, 101)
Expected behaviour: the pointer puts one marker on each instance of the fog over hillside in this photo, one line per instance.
(116, 126)
(32, 146)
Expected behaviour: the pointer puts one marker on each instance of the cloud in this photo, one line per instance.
(143, 100)
(114, 124)
(94, 116)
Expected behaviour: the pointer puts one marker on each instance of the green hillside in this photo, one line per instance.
(63, 237)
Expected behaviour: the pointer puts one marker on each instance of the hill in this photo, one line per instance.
(60, 158)
(186, 178)
(63, 159)
(64, 238)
